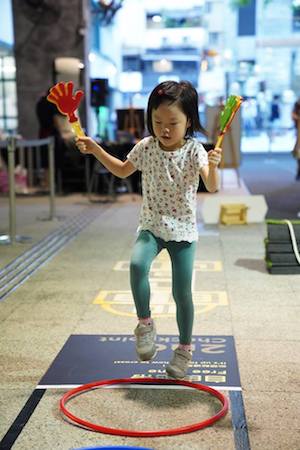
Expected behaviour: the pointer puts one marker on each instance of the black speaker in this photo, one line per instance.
(99, 92)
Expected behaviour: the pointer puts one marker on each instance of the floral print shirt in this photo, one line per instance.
(169, 183)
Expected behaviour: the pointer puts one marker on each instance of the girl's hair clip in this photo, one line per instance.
(160, 91)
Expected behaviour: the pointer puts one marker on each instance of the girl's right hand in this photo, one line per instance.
(85, 144)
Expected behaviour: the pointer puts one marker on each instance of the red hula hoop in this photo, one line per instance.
(133, 433)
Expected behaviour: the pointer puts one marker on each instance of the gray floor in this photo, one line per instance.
(274, 176)
(261, 312)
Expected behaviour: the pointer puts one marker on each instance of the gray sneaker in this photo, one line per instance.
(145, 341)
(178, 366)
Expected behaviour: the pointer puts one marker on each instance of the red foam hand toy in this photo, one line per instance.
(62, 96)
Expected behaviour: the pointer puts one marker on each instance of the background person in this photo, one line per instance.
(296, 149)
(53, 123)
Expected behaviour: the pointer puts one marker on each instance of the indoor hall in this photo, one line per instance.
(66, 308)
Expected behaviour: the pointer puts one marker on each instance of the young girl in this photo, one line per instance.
(171, 161)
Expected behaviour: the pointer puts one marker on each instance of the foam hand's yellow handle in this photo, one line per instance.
(219, 141)
(76, 128)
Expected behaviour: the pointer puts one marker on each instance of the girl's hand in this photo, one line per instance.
(214, 156)
(86, 144)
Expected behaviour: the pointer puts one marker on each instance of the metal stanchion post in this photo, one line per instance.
(10, 238)
(51, 178)
(12, 189)
(51, 161)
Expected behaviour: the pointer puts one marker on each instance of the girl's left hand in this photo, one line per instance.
(214, 156)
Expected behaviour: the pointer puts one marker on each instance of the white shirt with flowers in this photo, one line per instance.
(169, 183)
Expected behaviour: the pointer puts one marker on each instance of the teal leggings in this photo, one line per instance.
(182, 255)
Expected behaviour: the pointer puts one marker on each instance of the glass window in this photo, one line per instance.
(131, 63)
(247, 19)
(1, 105)
(10, 98)
(296, 15)
(176, 18)
(11, 124)
(8, 94)
(8, 68)
(213, 38)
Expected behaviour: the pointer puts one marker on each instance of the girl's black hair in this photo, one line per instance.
(182, 93)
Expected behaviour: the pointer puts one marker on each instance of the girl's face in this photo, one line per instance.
(169, 125)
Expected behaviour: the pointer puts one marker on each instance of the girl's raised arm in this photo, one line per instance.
(121, 169)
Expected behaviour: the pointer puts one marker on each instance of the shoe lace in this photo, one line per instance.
(145, 336)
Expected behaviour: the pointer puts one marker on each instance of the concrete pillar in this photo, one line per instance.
(45, 30)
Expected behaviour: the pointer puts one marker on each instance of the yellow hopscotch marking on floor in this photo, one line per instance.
(204, 266)
(120, 302)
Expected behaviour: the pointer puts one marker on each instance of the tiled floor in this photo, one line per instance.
(262, 313)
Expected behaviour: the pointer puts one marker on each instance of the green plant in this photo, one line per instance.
(239, 3)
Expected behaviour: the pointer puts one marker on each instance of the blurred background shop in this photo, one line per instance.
(118, 50)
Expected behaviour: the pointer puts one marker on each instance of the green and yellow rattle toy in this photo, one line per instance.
(231, 107)
(62, 96)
